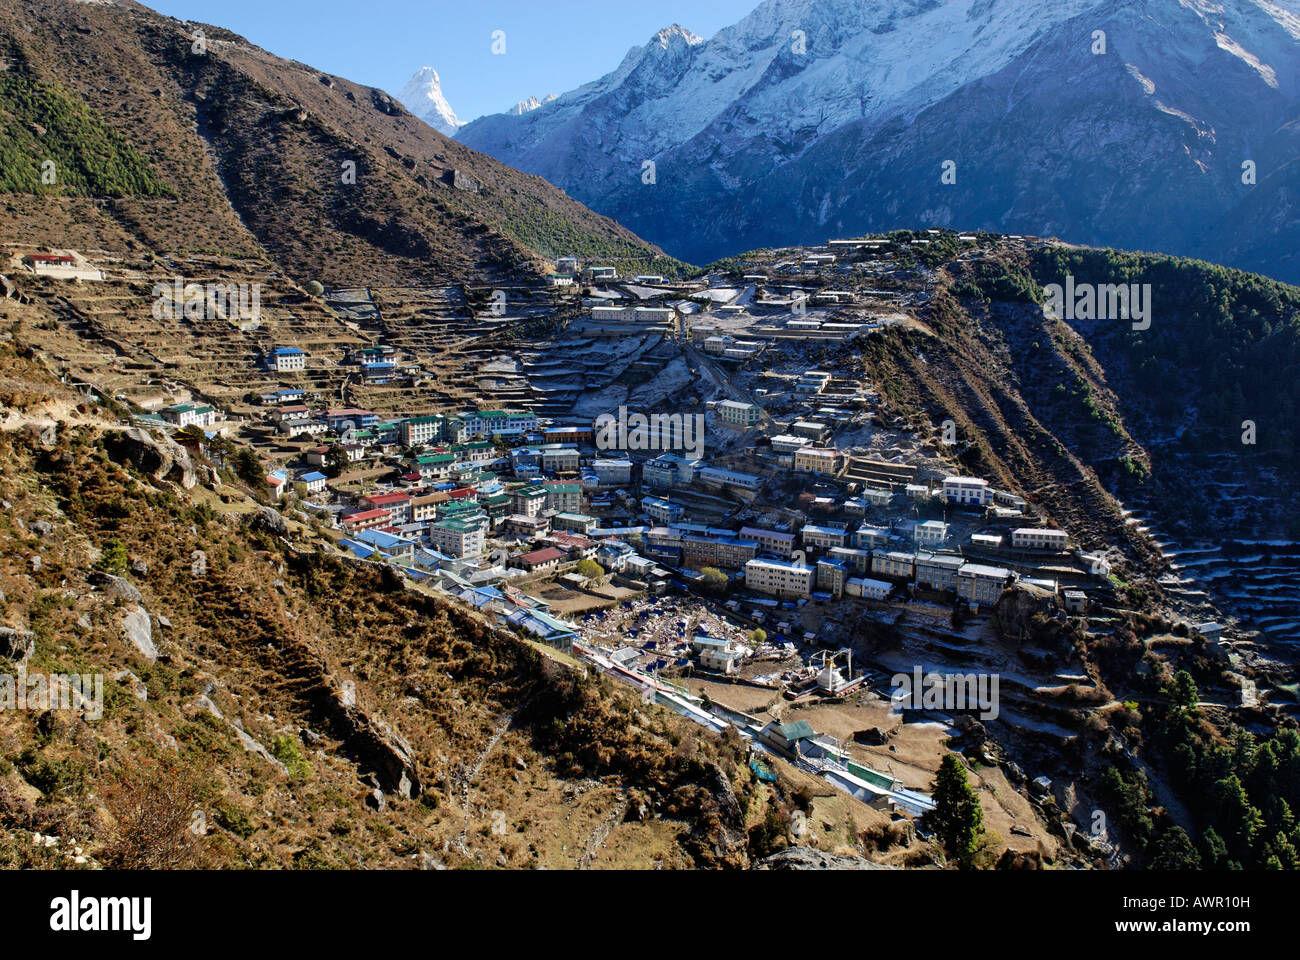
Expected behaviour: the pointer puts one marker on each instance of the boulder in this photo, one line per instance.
(253, 746)
(269, 520)
(874, 737)
(17, 644)
(161, 458)
(137, 627)
(808, 858)
(378, 748)
(118, 587)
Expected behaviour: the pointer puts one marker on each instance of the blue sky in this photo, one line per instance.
(551, 45)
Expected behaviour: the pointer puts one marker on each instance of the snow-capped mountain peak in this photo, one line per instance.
(810, 117)
(422, 95)
(532, 103)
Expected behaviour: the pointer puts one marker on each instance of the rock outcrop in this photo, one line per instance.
(16, 644)
(808, 858)
(160, 458)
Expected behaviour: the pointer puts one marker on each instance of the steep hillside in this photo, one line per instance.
(300, 711)
(1166, 443)
(1091, 120)
(176, 137)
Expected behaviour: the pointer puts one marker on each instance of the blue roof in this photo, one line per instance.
(312, 477)
(384, 541)
(285, 351)
(360, 549)
(706, 641)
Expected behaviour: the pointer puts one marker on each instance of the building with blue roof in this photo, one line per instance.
(399, 548)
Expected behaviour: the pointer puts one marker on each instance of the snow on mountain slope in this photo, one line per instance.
(818, 97)
(422, 95)
(532, 103)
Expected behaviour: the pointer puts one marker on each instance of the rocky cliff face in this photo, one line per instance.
(1101, 121)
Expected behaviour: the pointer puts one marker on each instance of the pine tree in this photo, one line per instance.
(957, 816)
(1175, 851)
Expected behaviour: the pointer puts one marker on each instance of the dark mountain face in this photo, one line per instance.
(1142, 146)
(174, 137)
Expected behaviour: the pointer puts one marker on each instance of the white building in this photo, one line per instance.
(867, 537)
(419, 431)
(613, 473)
(1039, 538)
(938, 571)
(930, 534)
(730, 478)
(771, 541)
(967, 491)
(721, 659)
(981, 585)
(458, 538)
(564, 460)
(189, 414)
(314, 482)
(287, 360)
(788, 443)
(823, 536)
(779, 578)
(868, 589)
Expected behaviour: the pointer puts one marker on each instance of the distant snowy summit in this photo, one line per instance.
(422, 95)
(531, 104)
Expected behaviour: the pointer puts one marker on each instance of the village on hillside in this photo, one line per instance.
(658, 478)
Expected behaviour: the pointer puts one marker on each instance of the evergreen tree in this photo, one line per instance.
(1216, 851)
(1175, 851)
(957, 816)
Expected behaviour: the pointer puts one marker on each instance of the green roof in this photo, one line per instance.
(873, 777)
(458, 526)
(799, 730)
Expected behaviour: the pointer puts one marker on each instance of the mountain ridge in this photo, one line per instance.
(259, 155)
(1124, 148)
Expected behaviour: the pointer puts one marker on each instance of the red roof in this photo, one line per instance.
(365, 516)
(50, 258)
(385, 499)
(571, 540)
(545, 555)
